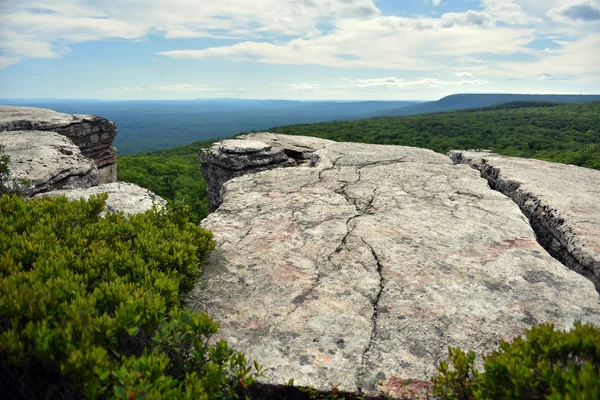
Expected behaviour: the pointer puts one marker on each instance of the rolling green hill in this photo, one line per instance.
(548, 131)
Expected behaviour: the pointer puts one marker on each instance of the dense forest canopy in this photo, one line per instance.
(547, 131)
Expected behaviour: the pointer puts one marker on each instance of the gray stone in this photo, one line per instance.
(92, 134)
(122, 196)
(46, 161)
(561, 201)
(365, 267)
(251, 153)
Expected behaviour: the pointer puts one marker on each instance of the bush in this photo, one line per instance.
(90, 307)
(545, 364)
(4, 171)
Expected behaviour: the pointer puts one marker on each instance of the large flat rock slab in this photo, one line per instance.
(363, 268)
(92, 134)
(561, 201)
(122, 196)
(44, 161)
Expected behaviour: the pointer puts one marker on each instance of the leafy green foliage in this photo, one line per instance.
(91, 307)
(544, 364)
(567, 133)
(4, 170)
(173, 174)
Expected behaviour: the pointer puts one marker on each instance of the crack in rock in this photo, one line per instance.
(375, 303)
(551, 230)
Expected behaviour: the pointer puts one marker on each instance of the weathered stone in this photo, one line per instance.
(366, 267)
(257, 152)
(93, 135)
(561, 201)
(122, 196)
(43, 161)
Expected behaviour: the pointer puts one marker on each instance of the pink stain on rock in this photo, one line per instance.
(411, 388)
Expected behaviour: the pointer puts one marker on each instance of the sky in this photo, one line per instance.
(296, 49)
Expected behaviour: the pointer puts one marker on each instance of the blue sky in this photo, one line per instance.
(296, 49)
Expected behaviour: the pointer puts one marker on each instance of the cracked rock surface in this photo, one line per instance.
(92, 134)
(361, 267)
(48, 161)
(122, 196)
(561, 201)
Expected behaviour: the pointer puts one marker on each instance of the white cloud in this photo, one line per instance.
(463, 74)
(577, 59)
(184, 87)
(7, 61)
(436, 2)
(401, 83)
(124, 89)
(418, 44)
(304, 86)
(467, 18)
(508, 11)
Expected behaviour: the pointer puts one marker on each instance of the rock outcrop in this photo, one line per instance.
(47, 162)
(362, 266)
(43, 161)
(92, 134)
(122, 196)
(258, 152)
(561, 201)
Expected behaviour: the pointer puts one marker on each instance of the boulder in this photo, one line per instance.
(93, 135)
(562, 203)
(122, 196)
(360, 268)
(43, 161)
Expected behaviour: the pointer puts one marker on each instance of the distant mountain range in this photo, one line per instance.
(464, 101)
(160, 124)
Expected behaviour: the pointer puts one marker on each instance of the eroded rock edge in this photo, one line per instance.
(547, 223)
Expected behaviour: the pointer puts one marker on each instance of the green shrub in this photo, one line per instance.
(544, 364)
(90, 307)
(4, 170)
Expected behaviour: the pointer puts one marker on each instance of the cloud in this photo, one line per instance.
(7, 61)
(401, 83)
(124, 89)
(586, 11)
(184, 87)
(46, 28)
(463, 74)
(304, 86)
(508, 11)
(436, 3)
(467, 18)
(576, 59)
(550, 77)
(417, 44)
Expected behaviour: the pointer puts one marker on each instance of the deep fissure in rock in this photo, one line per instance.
(541, 218)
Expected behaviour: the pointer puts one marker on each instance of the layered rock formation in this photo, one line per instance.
(359, 268)
(47, 162)
(231, 158)
(92, 134)
(561, 201)
(43, 161)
